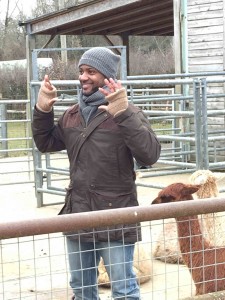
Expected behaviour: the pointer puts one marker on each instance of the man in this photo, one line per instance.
(102, 134)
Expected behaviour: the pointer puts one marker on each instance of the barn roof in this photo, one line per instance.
(107, 17)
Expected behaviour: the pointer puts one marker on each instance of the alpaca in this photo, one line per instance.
(167, 250)
(141, 264)
(213, 223)
(205, 262)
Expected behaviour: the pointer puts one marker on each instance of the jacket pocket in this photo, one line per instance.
(106, 200)
(67, 207)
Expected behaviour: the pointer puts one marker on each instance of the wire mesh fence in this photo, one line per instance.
(34, 268)
(34, 264)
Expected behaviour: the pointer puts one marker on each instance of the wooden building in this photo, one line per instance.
(205, 35)
(206, 51)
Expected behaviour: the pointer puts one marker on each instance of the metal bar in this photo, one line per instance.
(176, 163)
(182, 75)
(175, 138)
(205, 157)
(160, 173)
(16, 139)
(171, 113)
(110, 217)
(48, 164)
(53, 171)
(10, 101)
(53, 191)
(197, 113)
(16, 150)
(124, 82)
(216, 138)
(3, 128)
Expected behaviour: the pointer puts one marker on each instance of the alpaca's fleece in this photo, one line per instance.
(208, 182)
(213, 224)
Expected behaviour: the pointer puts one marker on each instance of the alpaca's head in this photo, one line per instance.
(208, 181)
(176, 192)
(203, 177)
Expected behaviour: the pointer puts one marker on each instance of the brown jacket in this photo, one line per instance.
(101, 159)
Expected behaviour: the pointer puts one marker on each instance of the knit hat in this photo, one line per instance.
(102, 59)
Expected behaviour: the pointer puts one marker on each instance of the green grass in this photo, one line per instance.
(18, 130)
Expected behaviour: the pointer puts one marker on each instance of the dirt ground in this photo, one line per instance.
(168, 281)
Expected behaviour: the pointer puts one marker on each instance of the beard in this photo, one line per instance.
(95, 89)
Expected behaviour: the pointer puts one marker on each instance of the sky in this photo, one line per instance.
(17, 5)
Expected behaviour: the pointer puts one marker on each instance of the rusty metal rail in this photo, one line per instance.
(63, 223)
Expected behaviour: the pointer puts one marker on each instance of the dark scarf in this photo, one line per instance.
(89, 104)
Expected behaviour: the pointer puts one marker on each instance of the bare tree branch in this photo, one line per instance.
(16, 6)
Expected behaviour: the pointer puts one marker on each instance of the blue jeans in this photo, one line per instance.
(84, 258)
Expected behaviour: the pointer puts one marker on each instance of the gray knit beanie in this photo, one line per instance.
(102, 59)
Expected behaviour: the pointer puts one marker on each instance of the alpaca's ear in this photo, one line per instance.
(167, 198)
(190, 189)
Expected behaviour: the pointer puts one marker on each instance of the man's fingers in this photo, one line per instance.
(114, 85)
(47, 83)
(104, 92)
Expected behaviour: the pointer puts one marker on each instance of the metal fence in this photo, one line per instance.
(15, 142)
(185, 110)
(33, 254)
(187, 115)
(181, 112)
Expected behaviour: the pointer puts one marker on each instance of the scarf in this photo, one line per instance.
(89, 104)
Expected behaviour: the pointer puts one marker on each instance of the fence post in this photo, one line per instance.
(198, 123)
(3, 128)
(205, 156)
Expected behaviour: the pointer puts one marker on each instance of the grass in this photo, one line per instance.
(17, 130)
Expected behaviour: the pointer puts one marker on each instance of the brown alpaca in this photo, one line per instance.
(205, 262)
(166, 248)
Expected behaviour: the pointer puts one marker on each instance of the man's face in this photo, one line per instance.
(90, 79)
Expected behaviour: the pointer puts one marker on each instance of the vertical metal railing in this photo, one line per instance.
(205, 157)
(197, 123)
(3, 129)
